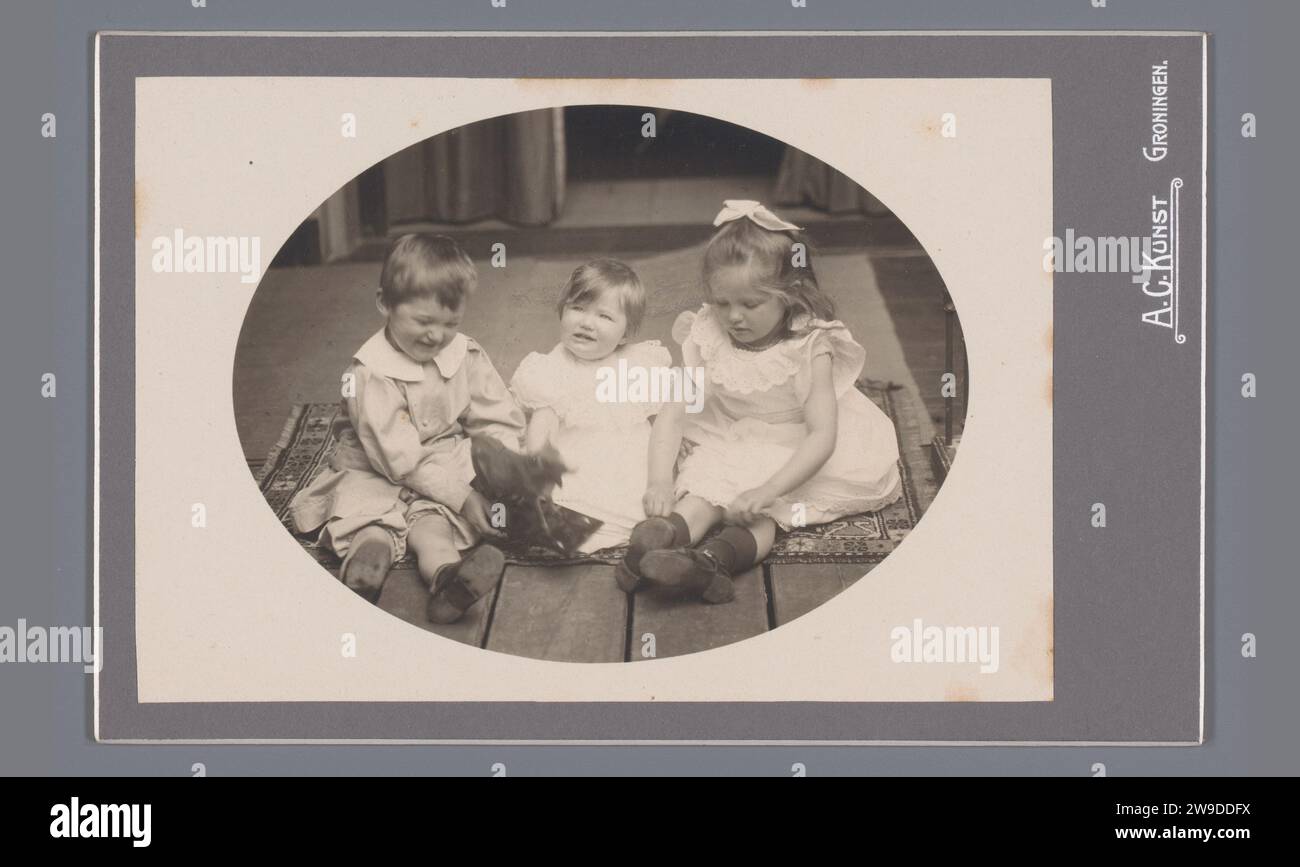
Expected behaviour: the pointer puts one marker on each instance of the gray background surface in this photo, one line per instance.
(1126, 599)
(45, 66)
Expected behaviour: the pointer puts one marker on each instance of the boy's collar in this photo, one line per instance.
(380, 356)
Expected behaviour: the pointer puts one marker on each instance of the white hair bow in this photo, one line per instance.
(734, 209)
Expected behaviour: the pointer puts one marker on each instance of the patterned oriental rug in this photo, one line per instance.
(308, 435)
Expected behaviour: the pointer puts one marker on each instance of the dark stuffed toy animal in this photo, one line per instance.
(523, 484)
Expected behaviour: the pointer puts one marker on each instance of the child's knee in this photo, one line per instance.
(693, 507)
(430, 531)
(341, 536)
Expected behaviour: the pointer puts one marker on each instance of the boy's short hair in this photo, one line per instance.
(424, 266)
(593, 279)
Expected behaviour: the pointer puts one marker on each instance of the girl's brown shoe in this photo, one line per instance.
(690, 569)
(648, 535)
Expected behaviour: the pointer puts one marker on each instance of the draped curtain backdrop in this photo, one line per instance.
(805, 181)
(509, 168)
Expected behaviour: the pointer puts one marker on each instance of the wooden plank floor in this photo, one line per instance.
(564, 613)
(796, 590)
(676, 626)
(405, 595)
(578, 613)
(913, 292)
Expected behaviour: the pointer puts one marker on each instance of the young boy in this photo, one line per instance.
(400, 474)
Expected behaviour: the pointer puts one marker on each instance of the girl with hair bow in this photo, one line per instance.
(784, 438)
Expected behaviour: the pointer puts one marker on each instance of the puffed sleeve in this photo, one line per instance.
(492, 408)
(682, 326)
(847, 355)
(650, 355)
(534, 384)
(381, 419)
(682, 329)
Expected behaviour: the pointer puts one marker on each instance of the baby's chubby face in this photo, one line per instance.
(421, 327)
(593, 328)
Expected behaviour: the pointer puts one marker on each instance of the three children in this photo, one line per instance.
(782, 437)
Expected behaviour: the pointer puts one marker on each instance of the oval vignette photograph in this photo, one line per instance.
(600, 384)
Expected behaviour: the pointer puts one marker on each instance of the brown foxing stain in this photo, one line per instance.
(643, 91)
(141, 206)
(1034, 655)
(563, 83)
(415, 123)
(1048, 343)
(1051, 639)
(1045, 619)
(960, 692)
(548, 83)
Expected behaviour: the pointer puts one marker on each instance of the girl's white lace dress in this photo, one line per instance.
(753, 419)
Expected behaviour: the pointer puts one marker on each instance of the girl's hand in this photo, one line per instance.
(659, 500)
(750, 505)
(478, 513)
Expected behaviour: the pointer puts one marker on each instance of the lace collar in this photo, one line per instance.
(747, 370)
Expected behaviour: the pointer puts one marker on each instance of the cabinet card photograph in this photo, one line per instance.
(623, 389)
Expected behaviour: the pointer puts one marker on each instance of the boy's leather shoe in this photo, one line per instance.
(366, 566)
(457, 586)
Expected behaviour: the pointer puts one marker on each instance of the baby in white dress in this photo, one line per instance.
(572, 393)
